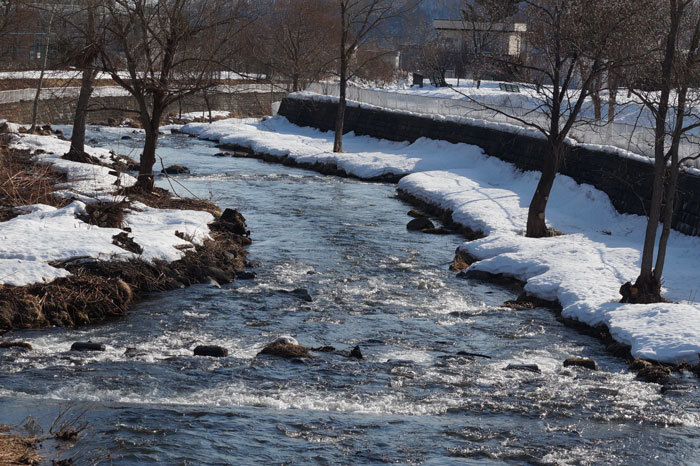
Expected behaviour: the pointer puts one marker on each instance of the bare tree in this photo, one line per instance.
(484, 34)
(161, 51)
(8, 10)
(293, 40)
(78, 45)
(562, 35)
(673, 102)
(359, 19)
(44, 61)
(438, 56)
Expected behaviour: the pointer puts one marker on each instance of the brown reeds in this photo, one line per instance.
(25, 182)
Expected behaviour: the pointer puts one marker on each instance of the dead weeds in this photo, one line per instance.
(17, 450)
(25, 182)
(161, 198)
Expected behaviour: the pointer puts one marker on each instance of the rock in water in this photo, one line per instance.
(522, 367)
(213, 351)
(356, 353)
(286, 350)
(420, 224)
(300, 293)
(16, 344)
(286, 340)
(580, 362)
(176, 170)
(87, 346)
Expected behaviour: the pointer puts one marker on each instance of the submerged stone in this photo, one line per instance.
(213, 351)
(522, 367)
(286, 350)
(175, 170)
(420, 224)
(87, 346)
(16, 344)
(356, 353)
(300, 293)
(581, 362)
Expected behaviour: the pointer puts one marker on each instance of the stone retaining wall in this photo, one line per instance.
(626, 181)
(60, 111)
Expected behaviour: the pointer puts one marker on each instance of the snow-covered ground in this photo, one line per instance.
(203, 114)
(632, 129)
(42, 233)
(582, 269)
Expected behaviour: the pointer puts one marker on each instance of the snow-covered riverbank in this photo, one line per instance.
(582, 269)
(44, 234)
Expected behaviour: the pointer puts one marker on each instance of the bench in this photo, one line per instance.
(509, 87)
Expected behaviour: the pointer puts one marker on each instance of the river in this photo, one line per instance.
(411, 400)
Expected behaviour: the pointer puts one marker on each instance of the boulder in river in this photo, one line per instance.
(522, 367)
(245, 275)
(176, 170)
(300, 293)
(581, 362)
(356, 353)
(420, 224)
(286, 347)
(222, 154)
(87, 346)
(213, 351)
(16, 344)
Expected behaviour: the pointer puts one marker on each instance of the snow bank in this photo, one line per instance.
(43, 234)
(582, 269)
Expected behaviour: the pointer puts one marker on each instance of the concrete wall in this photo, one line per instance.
(61, 111)
(627, 182)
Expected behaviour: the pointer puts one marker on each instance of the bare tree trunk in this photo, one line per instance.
(612, 97)
(669, 208)
(536, 225)
(77, 140)
(208, 104)
(342, 103)
(647, 287)
(595, 97)
(148, 157)
(340, 117)
(35, 106)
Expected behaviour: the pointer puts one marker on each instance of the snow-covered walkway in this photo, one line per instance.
(583, 269)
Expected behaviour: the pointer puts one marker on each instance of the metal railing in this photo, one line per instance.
(636, 139)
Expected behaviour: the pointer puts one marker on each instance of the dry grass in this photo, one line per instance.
(16, 450)
(163, 199)
(24, 182)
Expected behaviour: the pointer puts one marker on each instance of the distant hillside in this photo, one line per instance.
(441, 9)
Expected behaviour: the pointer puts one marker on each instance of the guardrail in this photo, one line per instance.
(636, 139)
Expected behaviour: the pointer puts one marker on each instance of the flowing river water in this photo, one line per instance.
(411, 400)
